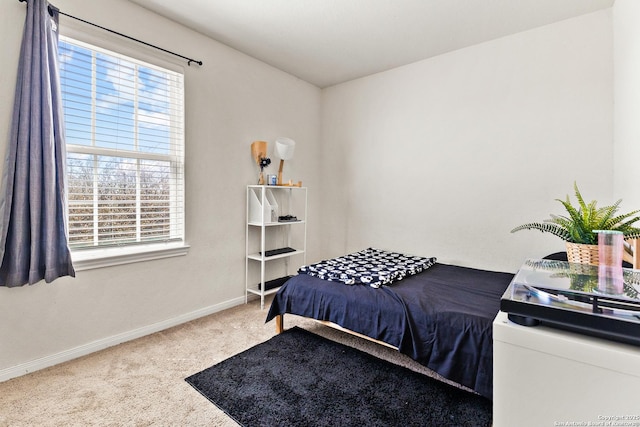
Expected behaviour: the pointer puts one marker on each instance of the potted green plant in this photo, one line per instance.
(578, 228)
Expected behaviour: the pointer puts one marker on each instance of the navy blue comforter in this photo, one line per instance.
(441, 317)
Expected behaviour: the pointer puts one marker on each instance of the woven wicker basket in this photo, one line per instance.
(582, 254)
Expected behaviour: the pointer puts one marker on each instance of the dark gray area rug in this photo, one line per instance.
(298, 378)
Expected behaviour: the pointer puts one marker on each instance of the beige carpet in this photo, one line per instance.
(141, 383)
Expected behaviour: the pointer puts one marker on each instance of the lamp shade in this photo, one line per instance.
(285, 148)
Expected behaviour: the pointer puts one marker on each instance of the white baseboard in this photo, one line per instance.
(83, 350)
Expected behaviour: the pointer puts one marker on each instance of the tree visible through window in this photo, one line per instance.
(125, 148)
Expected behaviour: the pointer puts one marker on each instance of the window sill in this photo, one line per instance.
(98, 258)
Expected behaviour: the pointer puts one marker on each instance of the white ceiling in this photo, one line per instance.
(326, 42)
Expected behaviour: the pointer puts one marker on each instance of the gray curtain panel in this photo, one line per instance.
(33, 230)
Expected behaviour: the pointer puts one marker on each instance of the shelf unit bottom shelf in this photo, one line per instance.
(259, 293)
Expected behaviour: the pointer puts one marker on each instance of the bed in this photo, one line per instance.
(441, 317)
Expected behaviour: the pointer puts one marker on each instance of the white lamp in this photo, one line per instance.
(285, 148)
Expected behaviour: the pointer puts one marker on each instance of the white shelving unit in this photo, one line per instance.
(265, 232)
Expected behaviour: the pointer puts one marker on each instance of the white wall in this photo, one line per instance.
(626, 36)
(230, 101)
(443, 157)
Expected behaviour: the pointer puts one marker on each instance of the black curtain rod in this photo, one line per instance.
(189, 60)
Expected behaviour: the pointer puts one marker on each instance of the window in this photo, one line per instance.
(125, 150)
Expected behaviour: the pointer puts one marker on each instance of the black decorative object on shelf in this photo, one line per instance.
(275, 283)
(279, 251)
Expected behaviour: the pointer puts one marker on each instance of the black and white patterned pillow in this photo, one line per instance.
(373, 267)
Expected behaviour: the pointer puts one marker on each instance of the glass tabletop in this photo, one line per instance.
(571, 279)
(567, 296)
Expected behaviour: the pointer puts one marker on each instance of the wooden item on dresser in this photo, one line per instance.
(632, 252)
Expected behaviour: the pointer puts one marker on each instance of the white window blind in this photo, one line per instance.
(124, 125)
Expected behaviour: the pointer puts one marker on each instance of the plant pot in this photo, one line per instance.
(582, 254)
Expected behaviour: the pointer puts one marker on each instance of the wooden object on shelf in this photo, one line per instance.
(285, 148)
(288, 184)
(258, 152)
(280, 172)
(291, 184)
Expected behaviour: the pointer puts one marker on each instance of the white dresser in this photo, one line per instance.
(544, 376)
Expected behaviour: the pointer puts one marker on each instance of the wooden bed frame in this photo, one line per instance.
(279, 319)
(631, 255)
